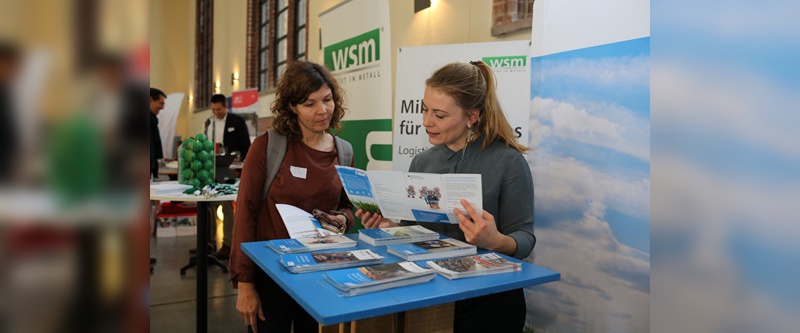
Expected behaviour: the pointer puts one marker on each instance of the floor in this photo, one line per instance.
(172, 296)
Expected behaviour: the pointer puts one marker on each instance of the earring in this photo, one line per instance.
(469, 135)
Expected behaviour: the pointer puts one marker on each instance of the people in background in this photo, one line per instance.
(157, 99)
(470, 134)
(230, 131)
(308, 108)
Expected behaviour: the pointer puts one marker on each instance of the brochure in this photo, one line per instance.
(318, 261)
(432, 249)
(301, 224)
(412, 196)
(355, 281)
(308, 244)
(168, 188)
(483, 264)
(395, 235)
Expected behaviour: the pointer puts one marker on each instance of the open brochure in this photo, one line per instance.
(482, 264)
(301, 224)
(318, 261)
(355, 281)
(412, 196)
(308, 244)
(432, 249)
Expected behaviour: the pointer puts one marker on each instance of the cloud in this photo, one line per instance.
(564, 185)
(617, 72)
(602, 124)
(615, 276)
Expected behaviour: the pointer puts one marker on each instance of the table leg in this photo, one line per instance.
(202, 266)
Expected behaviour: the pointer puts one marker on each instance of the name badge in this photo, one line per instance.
(230, 129)
(298, 172)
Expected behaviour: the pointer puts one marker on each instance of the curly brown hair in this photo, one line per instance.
(300, 79)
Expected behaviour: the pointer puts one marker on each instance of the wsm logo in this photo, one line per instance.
(509, 63)
(354, 53)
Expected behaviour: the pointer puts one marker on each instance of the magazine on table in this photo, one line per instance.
(482, 264)
(318, 261)
(396, 235)
(355, 281)
(432, 249)
(412, 196)
(308, 244)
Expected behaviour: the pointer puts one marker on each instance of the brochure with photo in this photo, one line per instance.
(432, 249)
(300, 223)
(395, 235)
(318, 261)
(482, 264)
(308, 244)
(411, 196)
(355, 281)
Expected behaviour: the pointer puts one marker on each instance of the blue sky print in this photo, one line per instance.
(590, 158)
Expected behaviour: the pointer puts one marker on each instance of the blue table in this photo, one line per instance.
(327, 306)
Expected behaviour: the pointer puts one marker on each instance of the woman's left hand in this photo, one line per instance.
(481, 229)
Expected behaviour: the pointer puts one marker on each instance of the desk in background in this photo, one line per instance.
(202, 249)
(323, 303)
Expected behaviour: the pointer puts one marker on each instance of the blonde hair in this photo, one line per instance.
(472, 85)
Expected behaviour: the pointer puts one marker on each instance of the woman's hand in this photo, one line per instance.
(481, 230)
(371, 220)
(249, 305)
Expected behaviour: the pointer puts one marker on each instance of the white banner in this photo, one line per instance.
(509, 60)
(356, 41)
(167, 122)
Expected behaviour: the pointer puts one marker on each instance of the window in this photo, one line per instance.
(511, 16)
(204, 50)
(277, 34)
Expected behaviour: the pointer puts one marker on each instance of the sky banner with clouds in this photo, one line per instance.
(590, 158)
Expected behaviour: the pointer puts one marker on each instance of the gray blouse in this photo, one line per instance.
(507, 187)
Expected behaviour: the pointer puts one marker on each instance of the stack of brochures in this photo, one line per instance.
(482, 264)
(308, 244)
(433, 249)
(396, 235)
(355, 281)
(319, 261)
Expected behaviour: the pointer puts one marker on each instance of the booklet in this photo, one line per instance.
(395, 235)
(432, 249)
(412, 196)
(308, 244)
(301, 224)
(482, 264)
(355, 281)
(168, 188)
(318, 261)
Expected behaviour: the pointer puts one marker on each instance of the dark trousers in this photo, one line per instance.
(280, 310)
(495, 313)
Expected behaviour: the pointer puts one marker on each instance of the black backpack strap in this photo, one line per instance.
(276, 150)
(345, 150)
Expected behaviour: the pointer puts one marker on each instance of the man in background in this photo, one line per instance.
(157, 99)
(229, 130)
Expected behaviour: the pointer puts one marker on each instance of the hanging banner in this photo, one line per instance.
(590, 161)
(508, 60)
(244, 101)
(167, 122)
(357, 52)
